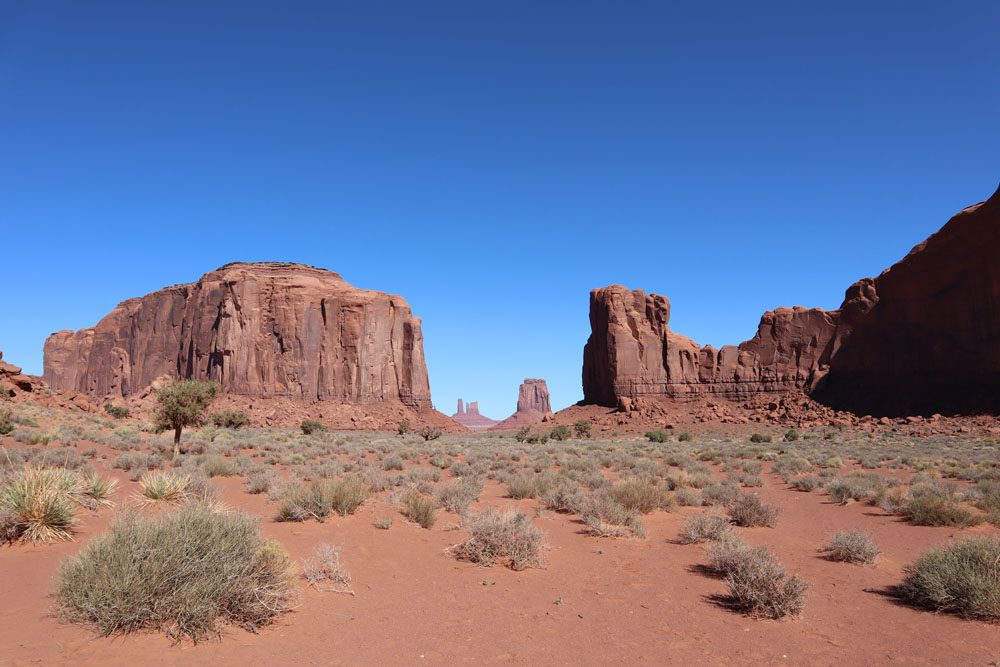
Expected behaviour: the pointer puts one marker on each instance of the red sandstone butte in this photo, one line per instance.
(533, 405)
(921, 338)
(258, 329)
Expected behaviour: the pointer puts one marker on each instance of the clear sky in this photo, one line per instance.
(491, 162)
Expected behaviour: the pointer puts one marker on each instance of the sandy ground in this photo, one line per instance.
(597, 601)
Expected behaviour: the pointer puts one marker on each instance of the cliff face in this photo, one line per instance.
(632, 352)
(468, 416)
(922, 337)
(265, 330)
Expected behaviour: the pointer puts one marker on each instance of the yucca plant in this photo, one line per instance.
(38, 505)
(94, 490)
(165, 487)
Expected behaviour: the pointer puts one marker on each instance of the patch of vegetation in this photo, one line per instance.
(234, 419)
(324, 571)
(321, 497)
(184, 573)
(511, 539)
(429, 433)
(934, 509)
(458, 496)
(560, 433)
(658, 436)
(116, 411)
(641, 495)
(852, 547)
(757, 582)
(748, 510)
(419, 509)
(759, 438)
(960, 578)
(310, 426)
(582, 428)
(183, 403)
(702, 527)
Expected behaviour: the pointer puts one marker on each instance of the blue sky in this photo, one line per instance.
(491, 162)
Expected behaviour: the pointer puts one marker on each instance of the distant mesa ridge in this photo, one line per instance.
(533, 405)
(922, 337)
(267, 329)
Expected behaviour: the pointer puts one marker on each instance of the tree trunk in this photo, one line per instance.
(177, 442)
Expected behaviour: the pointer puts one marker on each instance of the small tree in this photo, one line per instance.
(582, 428)
(429, 433)
(560, 433)
(183, 403)
(522, 434)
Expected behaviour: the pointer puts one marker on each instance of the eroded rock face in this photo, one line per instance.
(264, 329)
(923, 337)
(633, 353)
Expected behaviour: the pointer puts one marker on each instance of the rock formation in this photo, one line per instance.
(260, 330)
(923, 337)
(469, 417)
(12, 381)
(533, 405)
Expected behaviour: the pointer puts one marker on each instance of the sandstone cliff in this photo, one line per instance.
(261, 330)
(923, 337)
(470, 417)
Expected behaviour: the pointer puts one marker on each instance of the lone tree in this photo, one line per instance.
(183, 403)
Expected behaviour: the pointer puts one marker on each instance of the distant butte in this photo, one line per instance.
(469, 417)
(533, 405)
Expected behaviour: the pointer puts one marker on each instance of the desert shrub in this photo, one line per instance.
(657, 436)
(183, 403)
(566, 496)
(606, 517)
(685, 437)
(641, 495)
(522, 433)
(321, 497)
(310, 426)
(934, 509)
(404, 427)
(851, 547)
(527, 486)
(582, 428)
(560, 433)
(759, 585)
(383, 523)
(419, 509)
(167, 487)
(720, 494)
(37, 504)
(459, 495)
(893, 500)
(93, 490)
(511, 539)
(185, 573)
(748, 510)
(7, 424)
(701, 527)
(259, 481)
(324, 571)
(137, 461)
(429, 433)
(759, 437)
(861, 486)
(791, 435)
(216, 466)
(116, 411)
(688, 498)
(234, 419)
(961, 578)
(393, 462)
(805, 483)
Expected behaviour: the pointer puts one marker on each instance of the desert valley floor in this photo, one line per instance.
(595, 599)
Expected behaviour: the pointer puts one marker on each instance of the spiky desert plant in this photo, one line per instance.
(38, 504)
(165, 487)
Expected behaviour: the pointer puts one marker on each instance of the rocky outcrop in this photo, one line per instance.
(923, 337)
(468, 416)
(533, 405)
(13, 381)
(260, 330)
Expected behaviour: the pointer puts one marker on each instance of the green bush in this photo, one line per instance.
(759, 437)
(310, 426)
(641, 495)
(685, 437)
(961, 578)
(792, 435)
(404, 427)
(933, 509)
(184, 572)
(657, 436)
(116, 411)
(234, 419)
(582, 428)
(522, 433)
(560, 433)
